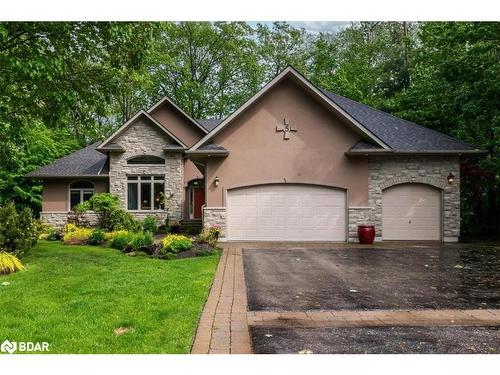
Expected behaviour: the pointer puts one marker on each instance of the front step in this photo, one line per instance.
(191, 226)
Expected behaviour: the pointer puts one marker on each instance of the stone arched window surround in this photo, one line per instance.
(145, 159)
(433, 181)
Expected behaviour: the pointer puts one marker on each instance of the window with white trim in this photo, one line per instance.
(144, 192)
(79, 192)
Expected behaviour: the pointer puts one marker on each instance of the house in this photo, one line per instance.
(293, 163)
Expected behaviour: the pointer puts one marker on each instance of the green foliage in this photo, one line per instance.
(79, 236)
(9, 263)
(18, 230)
(97, 237)
(141, 240)
(150, 224)
(173, 243)
(53, 235)
(209, 236)
(123, 220)
(121, 240)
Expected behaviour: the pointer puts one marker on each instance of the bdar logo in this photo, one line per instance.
(8, 347)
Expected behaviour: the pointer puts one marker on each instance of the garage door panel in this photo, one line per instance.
(286, 212)
(411, 212)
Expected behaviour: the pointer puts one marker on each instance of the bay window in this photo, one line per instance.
(144, 192)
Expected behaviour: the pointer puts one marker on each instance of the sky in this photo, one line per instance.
(314, 27)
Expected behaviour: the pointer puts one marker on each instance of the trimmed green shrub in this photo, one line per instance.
(122, 240)
(173, 243)
(80, 236)
(18, 231)
(141, 240)
(9, 263)
(150, 224)
(97, 237)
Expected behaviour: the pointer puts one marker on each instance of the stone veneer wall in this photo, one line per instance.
(146, 139)
(215, 216)
(386, 171)
(60, 219)
(357, 216)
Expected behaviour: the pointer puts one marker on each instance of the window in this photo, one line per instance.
(146, 159)
(79, 192)
(144, 192)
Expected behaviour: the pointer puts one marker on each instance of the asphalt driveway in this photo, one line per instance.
(376, 340)
(408, 277)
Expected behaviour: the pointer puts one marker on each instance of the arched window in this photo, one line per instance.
(146, 159)
(79, 192)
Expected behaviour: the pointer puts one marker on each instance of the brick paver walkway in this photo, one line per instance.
(223, 326)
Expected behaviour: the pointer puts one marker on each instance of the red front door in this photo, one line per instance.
(198, 201)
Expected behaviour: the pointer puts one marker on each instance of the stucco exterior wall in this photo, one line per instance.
(313, 154)
(56, 192)
(177, 124)
(144, 138)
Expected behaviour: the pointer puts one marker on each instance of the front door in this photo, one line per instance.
(195, 194)
(198, 201)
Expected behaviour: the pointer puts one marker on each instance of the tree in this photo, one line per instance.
(208, 69)
(279, 46)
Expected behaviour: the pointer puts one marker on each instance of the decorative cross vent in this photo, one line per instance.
(287, 129)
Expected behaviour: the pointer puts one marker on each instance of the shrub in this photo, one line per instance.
(149, 224)
(109, 236)
(9, 263)
(209, 235)
(123, 220)
(79, 236)
(49, 233)
(122, 240)
(173, 243)
(54, 235)
(97, 237)
(141, 240)
(104, 205)
(18, 231)
(68, 228)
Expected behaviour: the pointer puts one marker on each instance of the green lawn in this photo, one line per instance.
(73, 297)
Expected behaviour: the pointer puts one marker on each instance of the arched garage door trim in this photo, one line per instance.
(315, 188)
(435, 205)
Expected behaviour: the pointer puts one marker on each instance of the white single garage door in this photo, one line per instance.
(411, 212)
(286, 212)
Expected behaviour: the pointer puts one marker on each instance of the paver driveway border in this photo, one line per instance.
(223, 326)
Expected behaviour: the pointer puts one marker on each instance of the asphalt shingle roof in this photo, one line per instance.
(210, 123)
(397, 133)
(85, 162)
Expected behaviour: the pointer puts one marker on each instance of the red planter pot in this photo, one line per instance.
(366, 234)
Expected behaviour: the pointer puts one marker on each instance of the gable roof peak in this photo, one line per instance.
(290, 70)
(166, 99)
(131, 121)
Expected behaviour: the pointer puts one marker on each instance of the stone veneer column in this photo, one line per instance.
(215, 216)
(357, 216)
(386, 171)
(146, 139)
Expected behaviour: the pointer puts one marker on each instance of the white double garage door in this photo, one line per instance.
(301, 212)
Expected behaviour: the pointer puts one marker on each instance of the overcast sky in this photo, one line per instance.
(312, 26)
